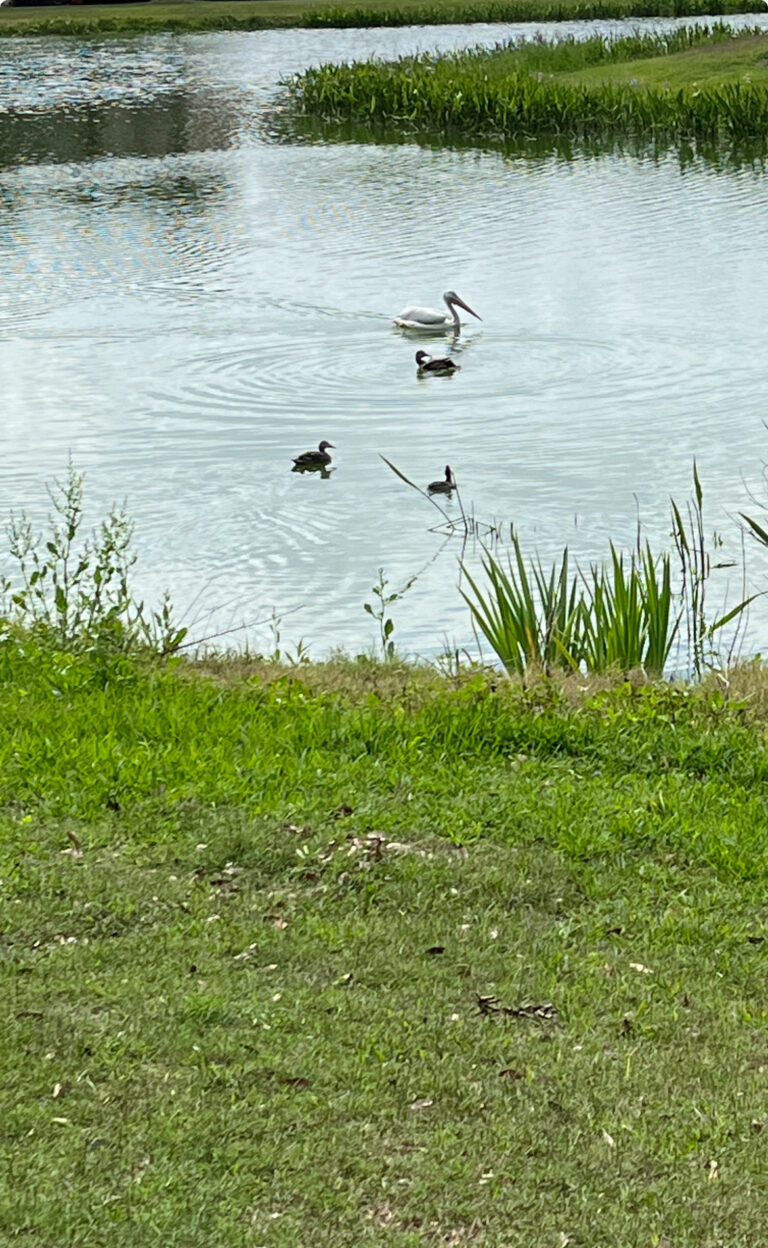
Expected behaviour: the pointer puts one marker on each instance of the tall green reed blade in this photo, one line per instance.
(689, 535)
(658, 598)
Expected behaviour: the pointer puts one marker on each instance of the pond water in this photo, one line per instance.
(187, 303)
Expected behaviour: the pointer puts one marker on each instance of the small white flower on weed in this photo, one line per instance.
(638, 966)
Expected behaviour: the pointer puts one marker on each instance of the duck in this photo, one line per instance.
(443, 487)
(428, 364)
(314, 459)
(433, 320)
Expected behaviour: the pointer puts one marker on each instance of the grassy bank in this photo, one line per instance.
(696, 84)
(127, 19)
(355, 954)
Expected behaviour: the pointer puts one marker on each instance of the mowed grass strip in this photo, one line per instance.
(700, 83)
(126, 19)
(358, 955)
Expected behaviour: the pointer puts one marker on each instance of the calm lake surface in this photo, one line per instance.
(186, 304)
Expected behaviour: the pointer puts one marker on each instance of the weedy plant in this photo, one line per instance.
(379, 611)
(76, 591)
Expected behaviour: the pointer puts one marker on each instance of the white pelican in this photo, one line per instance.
(315, 459)
(428, 364)
(432, 319)
(443, 487)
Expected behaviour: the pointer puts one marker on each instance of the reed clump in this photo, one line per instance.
(577, 89)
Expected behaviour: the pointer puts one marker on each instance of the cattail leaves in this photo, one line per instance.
(620, 615)
(614, 617)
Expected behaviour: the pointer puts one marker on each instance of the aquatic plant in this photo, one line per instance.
(528, 620)
(531, 88)
(619, 616)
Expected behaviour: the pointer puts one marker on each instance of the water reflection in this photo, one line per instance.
(536, 149)
(178, 121)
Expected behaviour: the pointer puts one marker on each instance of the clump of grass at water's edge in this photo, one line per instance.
(99, 21)
(341, 953)
(697, 84)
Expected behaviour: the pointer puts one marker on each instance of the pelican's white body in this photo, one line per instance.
(432, 320)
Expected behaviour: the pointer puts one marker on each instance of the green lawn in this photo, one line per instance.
(740, 60)
(126, 19)
(359, 955)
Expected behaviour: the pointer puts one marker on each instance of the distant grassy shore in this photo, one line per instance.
(200, 15)
(697, 83)
(356, 954)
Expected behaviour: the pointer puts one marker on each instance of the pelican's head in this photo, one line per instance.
(450, 297)
(422, 358)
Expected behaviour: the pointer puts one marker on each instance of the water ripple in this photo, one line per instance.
(184, 308)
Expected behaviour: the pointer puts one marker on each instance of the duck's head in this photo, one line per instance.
(422, 357)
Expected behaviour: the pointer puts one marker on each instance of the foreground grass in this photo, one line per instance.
(127, 19)
(694, 84)
(272, 943)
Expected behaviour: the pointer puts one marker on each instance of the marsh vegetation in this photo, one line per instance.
(700, 83)
(209, 15)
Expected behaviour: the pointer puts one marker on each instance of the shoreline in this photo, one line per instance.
(196, 16)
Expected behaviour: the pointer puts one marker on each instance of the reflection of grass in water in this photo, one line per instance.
(534, 148)
(127, 19)
(698, 84)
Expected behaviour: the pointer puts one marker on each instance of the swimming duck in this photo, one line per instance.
(443, 487)
(432, 319)
(314, 459)
(428, 364)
